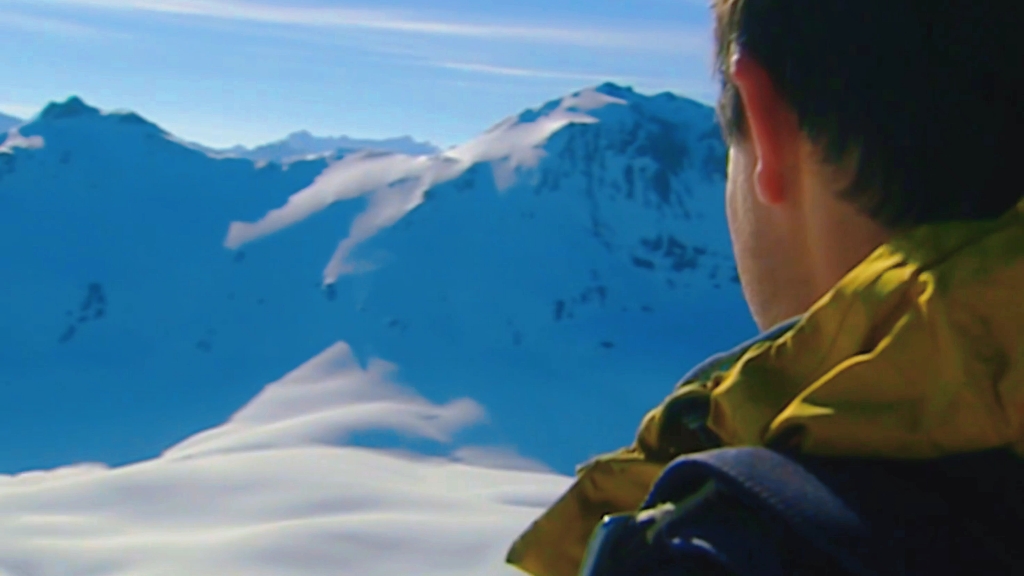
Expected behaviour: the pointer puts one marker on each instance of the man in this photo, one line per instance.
(874, 203)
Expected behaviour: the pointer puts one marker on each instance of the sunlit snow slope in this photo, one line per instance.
(563, 269)
(273, 492)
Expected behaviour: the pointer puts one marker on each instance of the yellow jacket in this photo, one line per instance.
(918, 352)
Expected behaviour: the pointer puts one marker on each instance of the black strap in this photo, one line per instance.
(737, 512)
(762, 512)
(960, 514)
(769, 481)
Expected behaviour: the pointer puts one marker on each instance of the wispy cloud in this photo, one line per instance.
(275, 490)
(325, 401)
(690, 86)
(535, 73)
(12, 20)
(403, 22)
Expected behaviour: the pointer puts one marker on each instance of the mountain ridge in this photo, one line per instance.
(298, 145)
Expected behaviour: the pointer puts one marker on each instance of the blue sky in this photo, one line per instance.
(223, 72)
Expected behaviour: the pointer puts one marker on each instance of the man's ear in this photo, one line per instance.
(772, 127)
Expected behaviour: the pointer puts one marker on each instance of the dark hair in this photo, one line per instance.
(926, 92)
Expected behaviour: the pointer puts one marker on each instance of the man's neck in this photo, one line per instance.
(840, 238)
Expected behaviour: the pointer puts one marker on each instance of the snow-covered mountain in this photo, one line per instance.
(302, 144)
(562, 269)
(8, 122)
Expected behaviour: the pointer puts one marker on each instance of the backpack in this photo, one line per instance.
(765, 512)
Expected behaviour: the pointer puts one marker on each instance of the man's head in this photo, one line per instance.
(849, 120)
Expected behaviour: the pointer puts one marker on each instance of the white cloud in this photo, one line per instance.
(394, 182)
(535, 73)
(265, 494)
(666, 40)
(13, 139)
(46, 25)
(63, 27)
(324, 401)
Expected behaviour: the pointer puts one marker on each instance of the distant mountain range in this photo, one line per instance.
(295, 146)
(562, 269)
(8, 122)
(302, 144)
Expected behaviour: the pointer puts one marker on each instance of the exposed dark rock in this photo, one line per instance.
(7, 162)
(682, 257)
(92, 307)
(643, 263)
(630, 178)
(653, 244)
(559, 310)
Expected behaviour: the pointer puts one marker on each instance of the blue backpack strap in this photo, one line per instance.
(737, 511)
(768, 481)
(761, 512)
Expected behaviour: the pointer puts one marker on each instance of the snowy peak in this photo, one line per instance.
(627, 94)
(664, 106)
(73, 107)
(579, 102)
(671, 134)
(660, 99)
